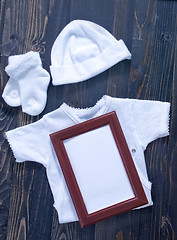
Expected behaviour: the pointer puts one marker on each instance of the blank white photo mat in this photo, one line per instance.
(98, 168)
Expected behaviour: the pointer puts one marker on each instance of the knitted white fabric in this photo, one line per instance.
(142, 121)
(28, 83)
(82, 50)
(11, 93)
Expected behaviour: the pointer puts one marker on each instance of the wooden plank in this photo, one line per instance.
(152, 78)
(24, 30)
(169, 211)
(5, 154)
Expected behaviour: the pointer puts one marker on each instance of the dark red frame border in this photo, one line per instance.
(57, 139)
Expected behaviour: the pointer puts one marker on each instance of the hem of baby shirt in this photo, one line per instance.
(148, 194)
(147, 186)
(66, 212)
(61, 217)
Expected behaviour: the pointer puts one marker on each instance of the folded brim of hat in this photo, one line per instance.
(91, 67)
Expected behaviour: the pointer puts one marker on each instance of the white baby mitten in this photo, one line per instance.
(28, 81)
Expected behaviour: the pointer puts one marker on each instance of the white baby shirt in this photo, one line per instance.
(142, 121)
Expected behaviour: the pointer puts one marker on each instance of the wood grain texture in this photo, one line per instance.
(149, 29)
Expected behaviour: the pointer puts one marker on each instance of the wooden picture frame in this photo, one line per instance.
(100, 186)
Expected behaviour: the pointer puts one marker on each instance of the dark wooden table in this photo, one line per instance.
(149, 29)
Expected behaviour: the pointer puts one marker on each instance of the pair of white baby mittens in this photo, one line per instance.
(28, 83)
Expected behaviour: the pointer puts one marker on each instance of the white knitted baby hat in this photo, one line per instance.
(82, 50)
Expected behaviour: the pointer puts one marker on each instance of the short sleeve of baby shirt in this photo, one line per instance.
(151, 119)
(29, 143)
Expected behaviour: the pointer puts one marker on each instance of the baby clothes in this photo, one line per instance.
(82, 50)
(142, 121)
(28, 83)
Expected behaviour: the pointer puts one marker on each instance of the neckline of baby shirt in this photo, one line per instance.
(79, 115)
